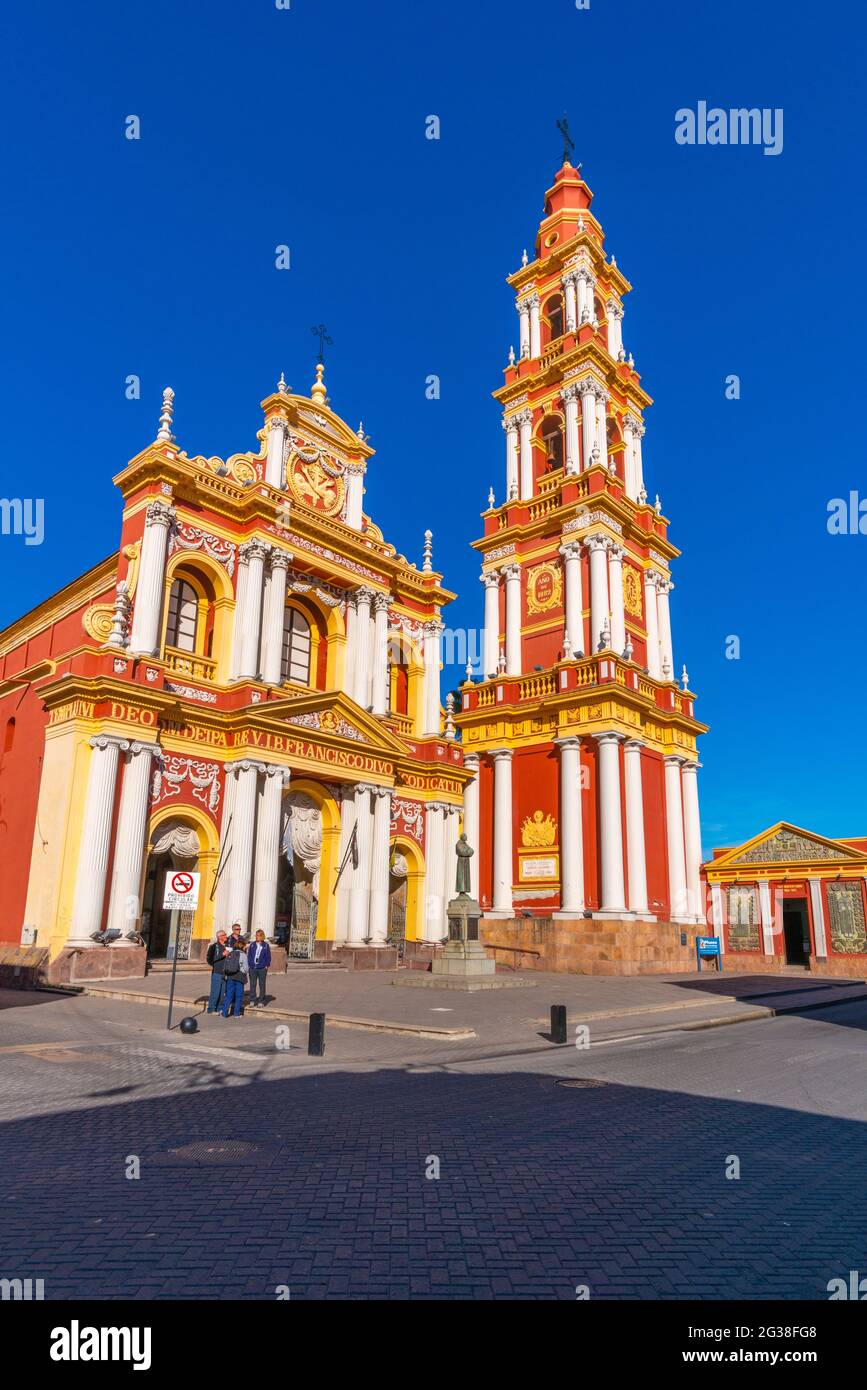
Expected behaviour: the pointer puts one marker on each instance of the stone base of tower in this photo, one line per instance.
(591, 946)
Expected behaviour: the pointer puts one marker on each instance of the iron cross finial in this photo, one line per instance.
(568, 142)
(321, 332)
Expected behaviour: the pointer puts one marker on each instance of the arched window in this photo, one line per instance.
(552, 442)
(554, 314)
(183, 617)
(9, 738)
(296, 647)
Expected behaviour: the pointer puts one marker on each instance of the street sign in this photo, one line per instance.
(181, 891)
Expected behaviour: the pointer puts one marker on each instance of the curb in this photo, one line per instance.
(370, 1025)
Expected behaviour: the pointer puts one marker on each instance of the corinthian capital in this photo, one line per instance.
(254, 550)
(511, 572)
(159, 514)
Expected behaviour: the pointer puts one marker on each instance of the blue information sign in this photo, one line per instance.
(706, 948)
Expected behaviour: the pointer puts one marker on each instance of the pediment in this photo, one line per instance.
(334, 715)
(785, 844)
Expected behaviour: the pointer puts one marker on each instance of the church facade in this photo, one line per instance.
(247, 690)
(581, 738)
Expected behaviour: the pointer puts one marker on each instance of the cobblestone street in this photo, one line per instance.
(262, 1168)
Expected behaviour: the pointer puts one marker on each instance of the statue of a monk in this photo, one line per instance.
(465, 852)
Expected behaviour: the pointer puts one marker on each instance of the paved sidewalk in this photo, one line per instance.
(609, 1007)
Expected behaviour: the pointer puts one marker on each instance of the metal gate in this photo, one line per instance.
(397, 919)
(302, 932)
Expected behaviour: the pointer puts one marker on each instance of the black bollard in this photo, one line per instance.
(558, 1023)
(316, 1036)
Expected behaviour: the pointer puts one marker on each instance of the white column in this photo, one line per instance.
(354, 512)
(674, 840)
(535, 327)
(267, 862)
(615, 598)
(148, 609)
(574, 602)
(451, 816)
(524, 313)
(434, 860)
(224, 862)
(491, 647)
(359, 886)
(363, 599)
(502, 857)
(274, 460)
(570, 399)
(629, 458)
(571, 829)
(351, 624)
(240, 614)
(432, 708)
(512, 575)
(716, 908)
(598, 589)
(380, 654)
(820, 939)
(255, 553)
(379, 860)
(273, 610)
(766, 913)
(588, 422)
(585, 296)
(615, 328)
(95, 838)
(346, 796)
(570, 302)
(612, 899)
(243, 836)
(124, 907)
(511, 428)
(635, 852)
(638, 466)
(525, 420)
(692, 840)
(664, 620)
(654, 667)
(602, 399)
(471, 819)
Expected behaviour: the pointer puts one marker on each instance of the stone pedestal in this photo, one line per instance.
(464, 956)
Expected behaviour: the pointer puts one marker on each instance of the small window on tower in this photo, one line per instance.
(183, 617)
(554, 314)
(296, 647)
(552, 440)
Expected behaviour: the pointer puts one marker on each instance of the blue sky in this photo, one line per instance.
(306, 127)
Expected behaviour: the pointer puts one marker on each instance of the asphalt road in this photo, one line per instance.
(139, 1164)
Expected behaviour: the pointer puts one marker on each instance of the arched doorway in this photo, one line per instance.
(298, 882)
(398, 874)
(174, 846)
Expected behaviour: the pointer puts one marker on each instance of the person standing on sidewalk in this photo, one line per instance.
(216, 956)
(235, 970)
(258, 959)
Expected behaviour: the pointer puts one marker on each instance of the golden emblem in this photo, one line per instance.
(544, 588)
(311, 484)
(538, 831)
(631, 591)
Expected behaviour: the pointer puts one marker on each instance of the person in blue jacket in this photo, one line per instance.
(258, 960)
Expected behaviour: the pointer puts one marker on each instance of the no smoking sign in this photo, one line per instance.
(181, 891)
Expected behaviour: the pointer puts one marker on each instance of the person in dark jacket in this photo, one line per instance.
(235, 971)
(258, 960)
(217, 952)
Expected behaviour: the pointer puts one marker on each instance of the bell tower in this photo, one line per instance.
(584, 801)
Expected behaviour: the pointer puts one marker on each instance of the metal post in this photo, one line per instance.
(177, 916)
(316, 1036)
(558, 1023)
